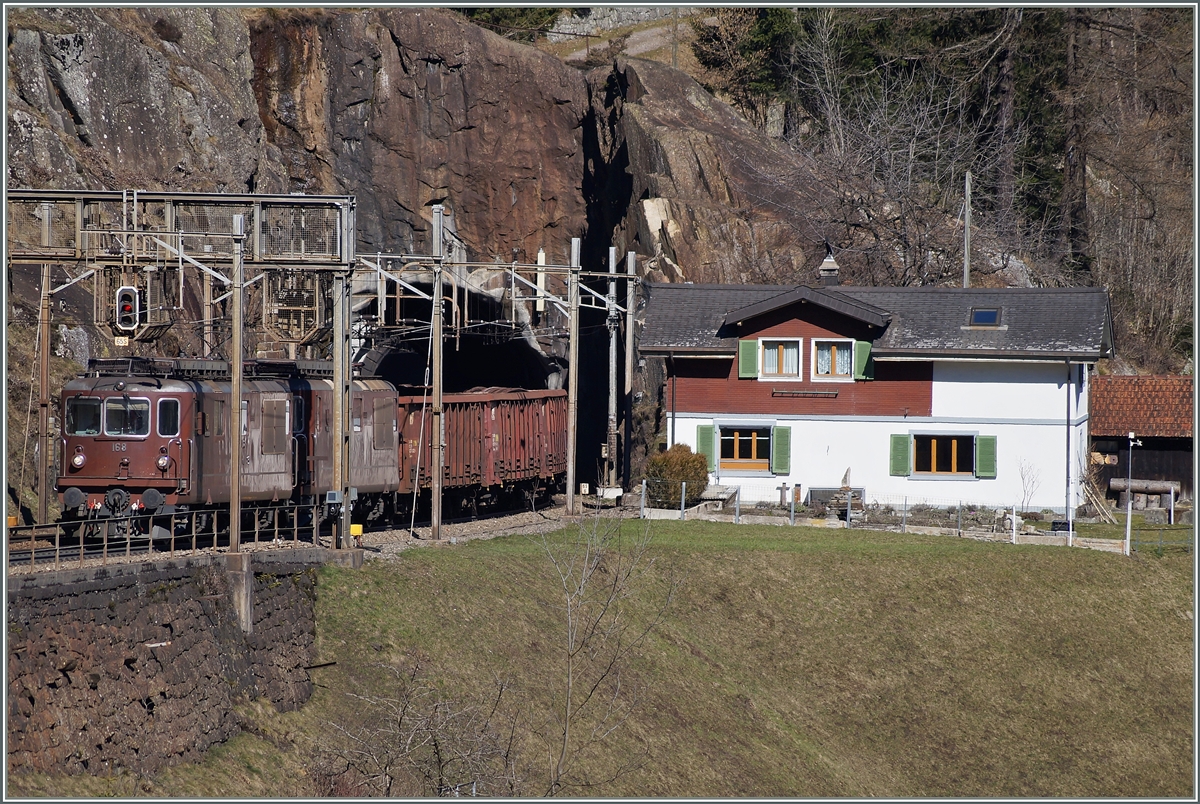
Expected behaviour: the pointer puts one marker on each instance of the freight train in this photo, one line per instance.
(147, 440)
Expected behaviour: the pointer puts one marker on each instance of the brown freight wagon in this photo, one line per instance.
(503, 445)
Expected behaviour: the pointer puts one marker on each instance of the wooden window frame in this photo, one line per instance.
(736, 433)
(835, 343)
(776, 345)
(936, 465)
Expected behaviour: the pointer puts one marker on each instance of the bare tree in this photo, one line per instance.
(1031, 481)
(605, 576)
(417, 742)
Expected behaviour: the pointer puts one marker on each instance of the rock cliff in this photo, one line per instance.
(679, 177)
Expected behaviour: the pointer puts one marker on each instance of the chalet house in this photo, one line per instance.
(979, 395)
(1159, 411)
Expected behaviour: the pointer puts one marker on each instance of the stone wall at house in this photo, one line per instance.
(140, 666)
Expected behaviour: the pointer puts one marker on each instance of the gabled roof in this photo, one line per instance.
(1159, 406)
(824, 297)
(920, 322)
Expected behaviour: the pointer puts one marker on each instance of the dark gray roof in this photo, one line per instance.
(685, 319)
(1035, 323)
(838, 302)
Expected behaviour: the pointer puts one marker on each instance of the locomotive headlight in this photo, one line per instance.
(78, 459)
(163, 463)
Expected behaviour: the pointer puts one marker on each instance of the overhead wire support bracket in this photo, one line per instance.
(84, 275)
(540, 293)
(378, 268)
(225, 296)
(178, 253)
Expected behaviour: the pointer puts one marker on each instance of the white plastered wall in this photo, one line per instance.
(1023, 406)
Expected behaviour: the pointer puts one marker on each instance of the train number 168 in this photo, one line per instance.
(117, 447)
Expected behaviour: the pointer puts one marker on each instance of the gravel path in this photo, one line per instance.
(388, 543)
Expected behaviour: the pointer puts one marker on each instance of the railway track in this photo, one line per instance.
(51, 546)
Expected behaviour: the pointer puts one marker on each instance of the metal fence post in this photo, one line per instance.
(737, 506)
(960, 517)
(791, 509)
(1014, 524)
(683, 499)
(643, 512)
(904, 517)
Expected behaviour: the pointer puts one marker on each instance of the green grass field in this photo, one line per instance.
(792, 662)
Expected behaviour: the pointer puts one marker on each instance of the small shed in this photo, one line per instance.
(1159, 411)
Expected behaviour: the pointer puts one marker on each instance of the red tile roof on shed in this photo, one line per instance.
(1158, 407)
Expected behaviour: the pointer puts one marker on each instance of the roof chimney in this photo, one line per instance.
(829, 270)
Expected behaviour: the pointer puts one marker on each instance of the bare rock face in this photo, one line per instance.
(141, 99)
(677, 175)
(411, 108)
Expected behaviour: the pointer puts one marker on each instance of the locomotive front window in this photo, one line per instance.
(126, 417)
(168, 417)
(83, 416)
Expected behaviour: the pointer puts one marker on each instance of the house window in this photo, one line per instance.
(943, 454)
(781, 358)
(746, 449)
(985, 316)
(833, 359)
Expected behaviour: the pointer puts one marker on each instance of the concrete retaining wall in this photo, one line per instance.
(140, 665)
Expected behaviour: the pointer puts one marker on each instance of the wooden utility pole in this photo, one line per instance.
(572, 371)
(235, 395)
(439, 440)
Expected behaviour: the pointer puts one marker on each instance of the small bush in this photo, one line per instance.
(666, 470)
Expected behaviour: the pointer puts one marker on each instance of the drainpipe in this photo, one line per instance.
(671, 432)
(1069, 512)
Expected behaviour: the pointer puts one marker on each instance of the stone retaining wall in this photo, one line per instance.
(140, 665)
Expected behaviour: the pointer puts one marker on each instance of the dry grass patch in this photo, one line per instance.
(796, 662)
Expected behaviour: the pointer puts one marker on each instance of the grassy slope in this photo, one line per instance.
(798, 662)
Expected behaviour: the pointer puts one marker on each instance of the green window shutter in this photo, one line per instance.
(985, 456)
(747, 359)
(901, 463)
(781, 450)
(704, 444)
(864, 366)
